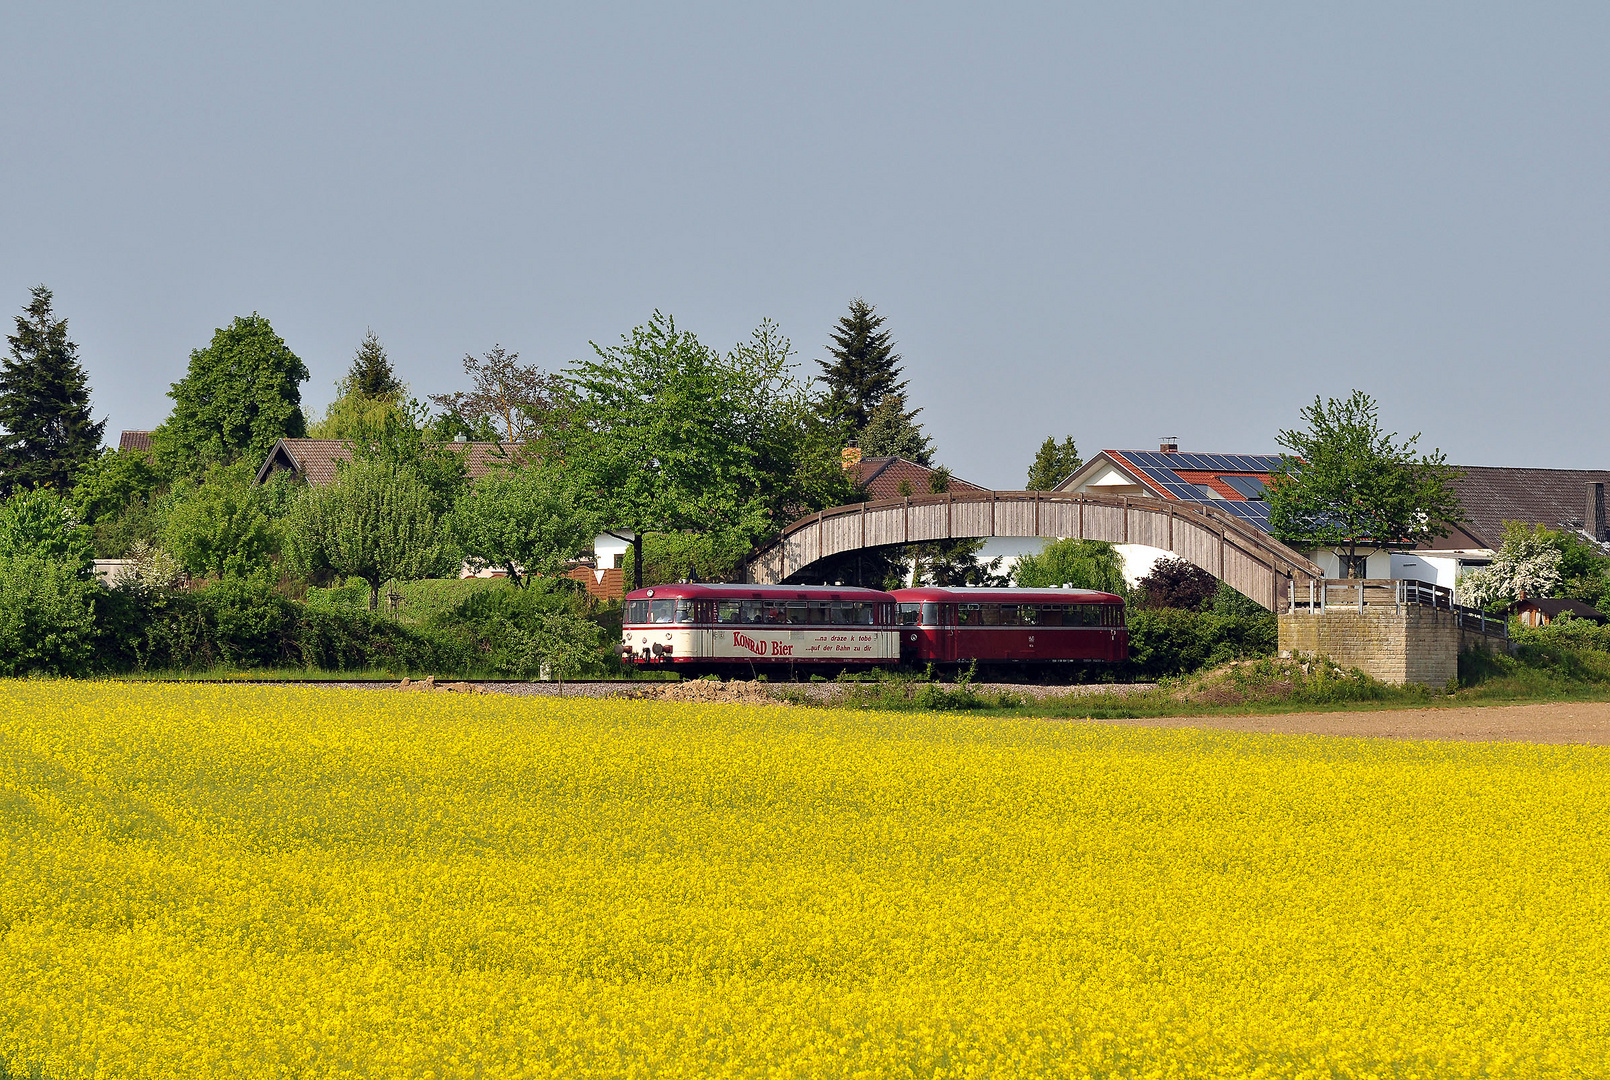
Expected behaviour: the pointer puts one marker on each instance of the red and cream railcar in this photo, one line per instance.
(1010, 626)
(734, 626)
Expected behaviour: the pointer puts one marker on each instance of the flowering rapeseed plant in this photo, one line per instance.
(254, 882)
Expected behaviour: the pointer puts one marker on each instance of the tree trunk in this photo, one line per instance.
(637, 560)
(374, 596)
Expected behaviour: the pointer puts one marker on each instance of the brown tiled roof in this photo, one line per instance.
(880, 477)
(134, 440)
(316, 459)
(1491, 496)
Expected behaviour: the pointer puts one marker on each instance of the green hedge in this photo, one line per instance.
(1172, 641)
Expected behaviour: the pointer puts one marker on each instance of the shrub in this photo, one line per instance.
(47, 616)
(1168, 641)
(518, 632)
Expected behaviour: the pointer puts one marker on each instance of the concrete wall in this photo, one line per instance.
(1411, 644)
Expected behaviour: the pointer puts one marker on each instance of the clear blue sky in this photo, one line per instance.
(1112, 221)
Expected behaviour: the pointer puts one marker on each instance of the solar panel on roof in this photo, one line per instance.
(1247, 486)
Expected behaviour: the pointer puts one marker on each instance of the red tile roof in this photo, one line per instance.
(880, 478)
(134, 440)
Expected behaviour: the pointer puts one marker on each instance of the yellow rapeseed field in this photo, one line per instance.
(207, 881)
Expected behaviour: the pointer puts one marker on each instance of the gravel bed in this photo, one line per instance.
(707, 690)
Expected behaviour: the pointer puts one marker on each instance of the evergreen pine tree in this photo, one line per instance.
(371, 375)
(864, 370)
(46, 430)
(891, 431)
(1053, 464)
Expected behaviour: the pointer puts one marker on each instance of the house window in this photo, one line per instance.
(1353, 566)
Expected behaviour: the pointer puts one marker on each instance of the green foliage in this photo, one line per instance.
(354, 417)
(1083, 564)
(47, 615)
(41, 523)
(403, 435)
(113, 495)
(864, 370)
(531, 519)
(1169, 641)
(241, 395)
(243, 623)
(519, 632)
(1348, 484)
(669, 435)
(1227, 603)
(1053, 464)
(46, 431)
(371, 375)
(373, 522)
(892, 431)
(219, 526)
(690, 556)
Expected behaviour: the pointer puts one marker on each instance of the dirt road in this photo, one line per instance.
(1583, 723)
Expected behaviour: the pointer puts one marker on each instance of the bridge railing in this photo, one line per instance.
(1319, 595)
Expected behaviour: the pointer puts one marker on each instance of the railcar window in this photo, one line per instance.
(662, 611)
(636, 612)
(909, 613)
(729, 611)
(969, 615)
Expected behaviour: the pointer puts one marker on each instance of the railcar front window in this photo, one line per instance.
(662, 611)
(636, 612)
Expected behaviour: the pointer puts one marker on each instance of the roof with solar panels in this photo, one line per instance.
(1235, 483)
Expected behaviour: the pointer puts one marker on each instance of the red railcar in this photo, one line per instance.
(738, 628)
(1010, 626)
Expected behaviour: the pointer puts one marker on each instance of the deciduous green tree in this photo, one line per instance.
(113, 496)
(671, 435)
(1348, 484)
(241, 395)
(46, 431)
(530, 520)
(1053, 464)
(373, 522)
(219, 525)
(1083, 564)
(40, 521)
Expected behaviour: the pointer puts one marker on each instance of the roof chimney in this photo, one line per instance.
(1170, 445)
(1593, 520)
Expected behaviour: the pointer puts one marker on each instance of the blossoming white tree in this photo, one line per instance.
(1527, 563)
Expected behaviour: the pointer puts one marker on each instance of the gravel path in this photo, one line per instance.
(1585, 723)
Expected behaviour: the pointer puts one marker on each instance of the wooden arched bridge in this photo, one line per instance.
(1246, 558)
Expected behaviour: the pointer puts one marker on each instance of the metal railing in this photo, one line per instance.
(1317, 596)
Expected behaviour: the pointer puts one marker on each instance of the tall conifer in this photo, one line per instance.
(865, 368)
(371, 375)
(48, 432)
